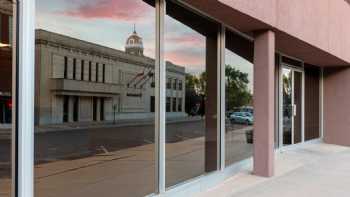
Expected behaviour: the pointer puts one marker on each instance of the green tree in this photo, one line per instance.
(237, 92)
(192, 95)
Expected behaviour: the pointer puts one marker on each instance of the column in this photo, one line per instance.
(211, 130)
(264, 99)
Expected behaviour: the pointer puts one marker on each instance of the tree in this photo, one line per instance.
(192, 94)
(237, 92)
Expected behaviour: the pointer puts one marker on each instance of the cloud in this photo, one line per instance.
(189, 40)
(186, 58)
(117, 10)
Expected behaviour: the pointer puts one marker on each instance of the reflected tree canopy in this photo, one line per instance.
(237, 92)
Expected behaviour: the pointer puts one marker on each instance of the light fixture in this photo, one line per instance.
(2, 45)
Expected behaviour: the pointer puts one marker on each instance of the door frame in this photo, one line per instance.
(280, 106)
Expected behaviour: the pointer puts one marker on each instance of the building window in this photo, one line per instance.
(90, 70)
(65, 69)
(97, 70)
(74, 68)
(174, 104)
(168, 104)
(7, 85)
(65, 108)
(201, 101)
(152, 104)
(179, 105)
(168, 84)
(104, 73)
(102, 109)
(180, 84)
(5, 28)
(75, 108)
(175, 84)
(101, 117)
(82, 69)
(94, 108)
(238, 100)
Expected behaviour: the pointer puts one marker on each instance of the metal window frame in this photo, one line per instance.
(222, 96)
(160, 99)
(25, 99)
(321, 105)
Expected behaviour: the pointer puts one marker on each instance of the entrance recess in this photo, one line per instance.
(292, 104)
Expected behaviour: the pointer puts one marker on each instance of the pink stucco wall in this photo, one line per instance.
(321, 23)
(337, 106)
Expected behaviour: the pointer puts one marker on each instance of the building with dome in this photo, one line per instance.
(134, 44)
(85, 82)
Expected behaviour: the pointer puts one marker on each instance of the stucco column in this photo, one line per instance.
(264, 103)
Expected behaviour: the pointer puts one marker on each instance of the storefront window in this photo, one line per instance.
(191, 132)
(239, 120)
(6, 102)
(94, 129)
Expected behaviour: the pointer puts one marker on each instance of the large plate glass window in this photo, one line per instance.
(239, 120)
(94, 98)
(6, 94)
(191, 62)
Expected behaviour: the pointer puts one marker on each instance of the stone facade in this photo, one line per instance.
(78, 81)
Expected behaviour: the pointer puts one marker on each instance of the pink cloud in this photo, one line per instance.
(185, 58)
(189, 40)
(119, 10)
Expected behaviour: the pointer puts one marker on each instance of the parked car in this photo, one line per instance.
(247, 109)
(242, 118)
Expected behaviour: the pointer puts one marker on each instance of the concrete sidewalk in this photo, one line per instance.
(318, 169)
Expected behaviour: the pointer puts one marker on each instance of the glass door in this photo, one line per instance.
(292, 106)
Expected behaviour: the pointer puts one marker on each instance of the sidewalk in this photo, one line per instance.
(319, 169)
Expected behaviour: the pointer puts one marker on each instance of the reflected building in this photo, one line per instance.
(79, 81)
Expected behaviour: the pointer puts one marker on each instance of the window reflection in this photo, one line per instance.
(94, 98)
(191, 130)
(6, 105)
(239, 99)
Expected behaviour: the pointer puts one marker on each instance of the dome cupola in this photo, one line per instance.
(134, 44)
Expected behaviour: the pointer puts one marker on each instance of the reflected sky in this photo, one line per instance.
(104, 22)
(113, 21)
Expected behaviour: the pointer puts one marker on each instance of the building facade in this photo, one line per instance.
(224, 87)
(85, 82)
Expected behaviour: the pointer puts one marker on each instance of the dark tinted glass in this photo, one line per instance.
(6, 96)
